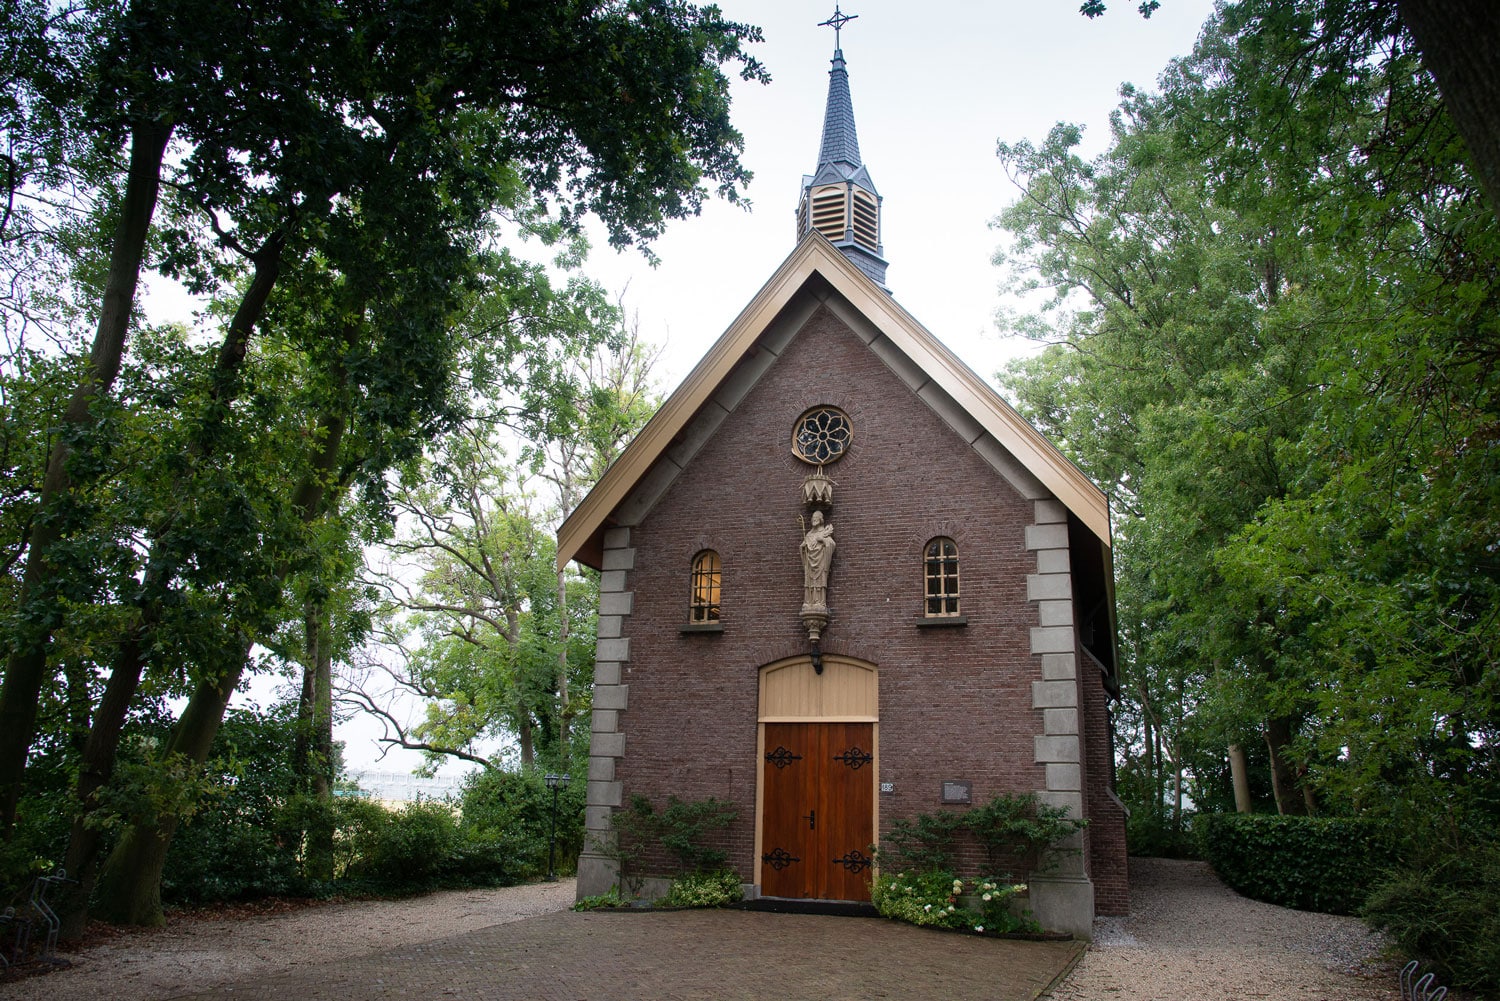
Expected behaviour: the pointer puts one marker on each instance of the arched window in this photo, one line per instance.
(705, 604)
(941, 576)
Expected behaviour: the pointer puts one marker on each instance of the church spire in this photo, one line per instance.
(839, 200)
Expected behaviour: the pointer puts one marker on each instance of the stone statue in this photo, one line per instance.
(817, 558)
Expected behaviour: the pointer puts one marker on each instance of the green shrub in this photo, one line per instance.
(704, 889)
(927, 898)
(1022, 829)
(994, 897)
(936, 899)
(406, 852)
(686, 830)
(217, 857)
(601, 901)
(1323, 864)
(1018, 831)
(1154, 836)
(925, 841)
(511, 812)
(238, 844)
(1445, 910)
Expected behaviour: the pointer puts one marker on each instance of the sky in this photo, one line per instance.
(935, 85)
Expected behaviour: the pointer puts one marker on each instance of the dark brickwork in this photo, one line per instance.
(955, 703)
(1106, 831)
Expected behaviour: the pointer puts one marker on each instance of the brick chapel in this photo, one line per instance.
(844, 582)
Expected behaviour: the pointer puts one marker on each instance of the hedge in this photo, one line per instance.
(1326, 864)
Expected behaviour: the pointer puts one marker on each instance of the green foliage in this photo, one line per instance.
(928, 898)
(993, 899)
(687, 831)
(601, 901)
(353, 165)
(1444, 908)
(1272, 328)
(1016, 830)
(1152, 836)
(241, 846)
(1013, 830)
(1324, 864)
(1022, 830)
(513, 811)
(936, 899)
(406, 850)
(925, 841)
(704, 889)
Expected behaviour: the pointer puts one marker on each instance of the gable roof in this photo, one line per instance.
(813, 270)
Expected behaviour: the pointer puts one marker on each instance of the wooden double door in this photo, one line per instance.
(818, 810)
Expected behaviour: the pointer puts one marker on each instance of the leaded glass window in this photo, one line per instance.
(941, 579)
(822, 435)
(706, 582)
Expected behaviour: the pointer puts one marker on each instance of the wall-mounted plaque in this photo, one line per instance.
(958, 792)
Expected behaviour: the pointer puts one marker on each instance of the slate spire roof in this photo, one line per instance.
(840, 141)
(839, 198)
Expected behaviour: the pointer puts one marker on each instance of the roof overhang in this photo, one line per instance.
(817, 268)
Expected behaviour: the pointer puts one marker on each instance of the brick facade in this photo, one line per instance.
(1003, 702)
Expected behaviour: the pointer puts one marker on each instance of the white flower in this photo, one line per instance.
(979, 927)
(987, 897)
(926, 907)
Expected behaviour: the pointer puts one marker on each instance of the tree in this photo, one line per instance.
(494, 637)
(289, 120)
(1273, 301)
(1456, 40)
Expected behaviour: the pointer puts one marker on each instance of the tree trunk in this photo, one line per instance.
(81, 861)
(26, 668)
(1149, 750)
(1176, 792)
(130, 883)
(318, 774)
(1239, 774)
(1289, 800)
(523, 737)
(1458, 40)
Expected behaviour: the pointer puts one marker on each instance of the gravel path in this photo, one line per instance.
(1188, 936)
(197, 954)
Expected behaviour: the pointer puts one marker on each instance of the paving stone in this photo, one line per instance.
(685, 956)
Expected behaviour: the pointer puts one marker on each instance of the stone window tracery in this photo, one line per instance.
(822, 435)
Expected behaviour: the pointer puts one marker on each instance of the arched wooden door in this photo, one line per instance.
(818, 778)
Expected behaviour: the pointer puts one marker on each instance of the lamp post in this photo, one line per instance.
(555, 783)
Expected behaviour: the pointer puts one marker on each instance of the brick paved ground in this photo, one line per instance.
(684, 956)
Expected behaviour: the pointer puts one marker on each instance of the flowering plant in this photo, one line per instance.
(920, 898)
(933, 899)
(703, 889)
(994, 908)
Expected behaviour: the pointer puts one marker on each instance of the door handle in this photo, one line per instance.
(812, 820)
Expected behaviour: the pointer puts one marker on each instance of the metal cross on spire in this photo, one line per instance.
(837, 22)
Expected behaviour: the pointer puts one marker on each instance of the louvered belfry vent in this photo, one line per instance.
(839, 200)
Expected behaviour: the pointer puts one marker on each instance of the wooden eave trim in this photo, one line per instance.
(814, 254)
(701, 383)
